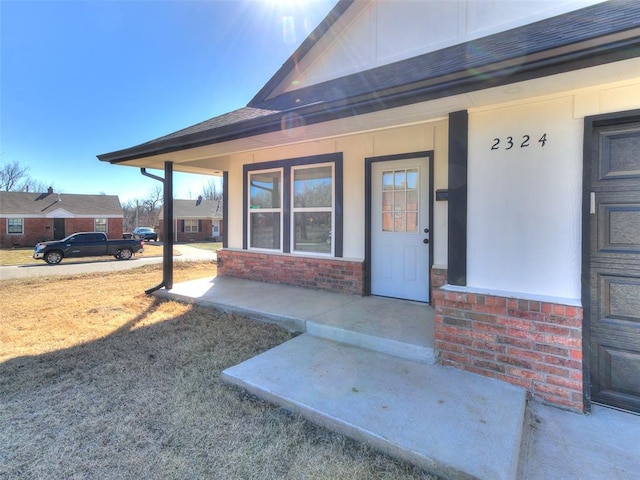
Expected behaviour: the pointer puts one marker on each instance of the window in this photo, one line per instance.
(400, 201)
(100, 225)
(265, 207)
(15, 226)
(191, 226)
(312, 208)
(295, 205)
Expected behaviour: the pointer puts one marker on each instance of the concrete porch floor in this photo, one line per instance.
(364, 367)
(398, 327)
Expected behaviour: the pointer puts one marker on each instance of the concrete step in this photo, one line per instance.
(371, 341)
(449, 422)
(395, 327)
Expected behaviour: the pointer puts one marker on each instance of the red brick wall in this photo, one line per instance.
(184, 237)
(438, 277)
(41, 230)
(536, 345)
(331, 274)
(35, 230)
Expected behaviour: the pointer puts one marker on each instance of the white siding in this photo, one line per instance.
(524, 217)
(375, 33)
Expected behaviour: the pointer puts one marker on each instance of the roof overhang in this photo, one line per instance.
(265, 129)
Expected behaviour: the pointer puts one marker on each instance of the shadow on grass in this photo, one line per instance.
(147, 402)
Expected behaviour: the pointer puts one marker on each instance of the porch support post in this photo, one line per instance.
(167, 225)
(167, 246)
(225, 208)
(457, 211)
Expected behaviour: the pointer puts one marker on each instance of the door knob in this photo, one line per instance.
(426, 230)
(426, 240)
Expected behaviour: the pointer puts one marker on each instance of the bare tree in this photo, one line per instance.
(12, 176)
(211, 190)
(32, 185)
(143, 212)
(151, 206)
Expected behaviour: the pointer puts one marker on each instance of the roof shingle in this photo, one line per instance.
(42, 204)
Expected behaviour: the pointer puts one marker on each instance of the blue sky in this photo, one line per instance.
(81, 78)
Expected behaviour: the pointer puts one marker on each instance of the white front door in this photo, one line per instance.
(399, 227)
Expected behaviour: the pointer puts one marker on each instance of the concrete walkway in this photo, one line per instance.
(365, 368)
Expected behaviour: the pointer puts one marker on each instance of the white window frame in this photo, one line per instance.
(13, 219)
(191, 225)
(98, 222)
(294, 209)
(279, 210)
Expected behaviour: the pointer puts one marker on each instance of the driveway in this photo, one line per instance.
(79, 266)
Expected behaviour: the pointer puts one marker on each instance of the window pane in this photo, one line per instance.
(14, 225)
(312, 232)
(191, 226)
(387, 201)
(412, 200)
(100, 225)
(387, 222)
(265, 190)
(412, 179)
(400, 179)
(400, 203)
(265, 230)
(312, 187)
(400, 207)
(387, 181)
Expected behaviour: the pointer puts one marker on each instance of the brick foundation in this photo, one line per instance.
(536, 345)
(438, 277)
(332, 274)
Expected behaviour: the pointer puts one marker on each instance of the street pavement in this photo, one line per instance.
(79, 266)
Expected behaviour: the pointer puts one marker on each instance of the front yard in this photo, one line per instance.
(98, 380)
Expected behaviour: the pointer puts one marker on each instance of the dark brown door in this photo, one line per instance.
(58, 229)
(614, 282)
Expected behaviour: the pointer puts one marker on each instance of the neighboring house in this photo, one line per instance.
(195, 220)
(479, 156)
(29, 218)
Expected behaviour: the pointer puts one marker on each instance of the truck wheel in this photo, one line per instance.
(125, 254)
(53, 257)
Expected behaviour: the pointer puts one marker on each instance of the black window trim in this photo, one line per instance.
(285, 165)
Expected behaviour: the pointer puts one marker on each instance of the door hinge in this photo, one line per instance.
(592, 203)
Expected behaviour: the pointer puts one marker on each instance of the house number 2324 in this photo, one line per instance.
(525, 141)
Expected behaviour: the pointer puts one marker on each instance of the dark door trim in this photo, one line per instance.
(591, 123)
(368, 163)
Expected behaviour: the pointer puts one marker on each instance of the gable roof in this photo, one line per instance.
(194, 209)
(26, 204)
(594, 35)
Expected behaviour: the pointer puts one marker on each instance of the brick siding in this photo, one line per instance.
(335, 275)
(206, 227)
(536, 345)
(41, 230)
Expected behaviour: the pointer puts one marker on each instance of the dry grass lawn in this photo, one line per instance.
(98, 380)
